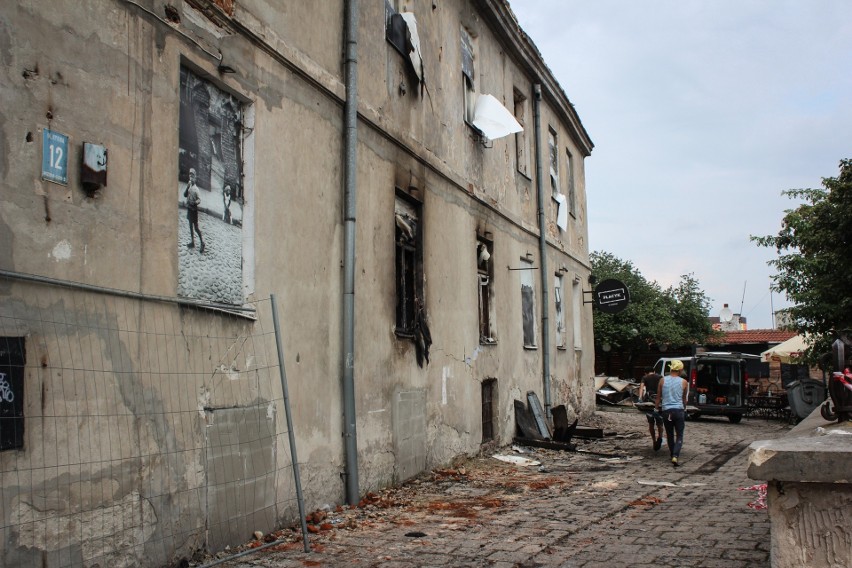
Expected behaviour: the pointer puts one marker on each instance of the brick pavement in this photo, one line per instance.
(577, 509)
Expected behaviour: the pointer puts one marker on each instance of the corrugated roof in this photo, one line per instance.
(755, 336)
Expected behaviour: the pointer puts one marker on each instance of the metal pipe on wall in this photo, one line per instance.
(542, 252)
(350, 188)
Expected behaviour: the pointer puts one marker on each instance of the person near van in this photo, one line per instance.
(648, 393)
(671, 400)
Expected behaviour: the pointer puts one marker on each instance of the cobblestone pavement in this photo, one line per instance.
(613, 503)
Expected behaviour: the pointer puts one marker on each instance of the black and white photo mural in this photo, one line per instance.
(210, 192)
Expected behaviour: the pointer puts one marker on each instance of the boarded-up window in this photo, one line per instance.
(12, 359)
(528, 303)
(489, 405)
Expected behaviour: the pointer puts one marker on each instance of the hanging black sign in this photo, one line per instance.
(611, 296)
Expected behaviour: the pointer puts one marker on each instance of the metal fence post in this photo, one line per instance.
(292, 437)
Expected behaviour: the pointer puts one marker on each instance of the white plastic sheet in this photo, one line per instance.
(562, 214)
(493, 119)
(415, 56)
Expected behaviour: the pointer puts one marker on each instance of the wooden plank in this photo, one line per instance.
(538, 414)
(548, 444)
(525, 422)
(588, 432)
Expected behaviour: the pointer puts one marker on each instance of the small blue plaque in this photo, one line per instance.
(54, 157)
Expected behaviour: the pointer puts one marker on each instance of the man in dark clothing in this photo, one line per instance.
(647, 393)
(193, 200)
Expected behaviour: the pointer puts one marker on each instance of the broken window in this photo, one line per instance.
(485, 275)
(489, 406)
(12, 360)
(410, 309)
(522, 157)
(560, 311)
(468, 75)
(528, 303)
(401, 33)
(553, 146)
(396, 30)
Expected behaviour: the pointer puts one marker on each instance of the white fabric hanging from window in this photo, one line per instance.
(493, 119)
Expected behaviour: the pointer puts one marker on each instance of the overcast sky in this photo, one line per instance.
(702, 112)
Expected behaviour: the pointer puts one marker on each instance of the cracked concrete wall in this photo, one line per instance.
(810, 524)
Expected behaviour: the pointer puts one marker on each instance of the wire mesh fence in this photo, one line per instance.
(136, 432)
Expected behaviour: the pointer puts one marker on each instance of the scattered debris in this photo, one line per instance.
(517, 460)
(620, 459)
(615, 391)
(668, 483)
(648, 502)
(760, 502)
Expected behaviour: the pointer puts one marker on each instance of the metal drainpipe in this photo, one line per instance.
(542, 252)
(350, 187)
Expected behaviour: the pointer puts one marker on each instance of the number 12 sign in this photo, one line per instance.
(54, 157)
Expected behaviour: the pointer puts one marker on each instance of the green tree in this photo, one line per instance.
(676, 316)
(814, 260)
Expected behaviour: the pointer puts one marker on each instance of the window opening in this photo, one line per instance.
(396, 30)
(560, 312)
(577, 315)
(485, 275)
(528, 304)
(410, 307)
(521, 148)
(489, 405)
(572, 194)
(553, 146)
(468, 75)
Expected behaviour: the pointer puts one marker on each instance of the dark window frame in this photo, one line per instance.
(408, 246)
(489, 410)
(485, 287)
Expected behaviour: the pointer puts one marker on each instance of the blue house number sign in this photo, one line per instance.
(54, 157)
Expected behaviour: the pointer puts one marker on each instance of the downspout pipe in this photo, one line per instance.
(349, 193)
(542, 251)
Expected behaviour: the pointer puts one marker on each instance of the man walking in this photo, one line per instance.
(193, 200)
(671, 399)
(648, 393)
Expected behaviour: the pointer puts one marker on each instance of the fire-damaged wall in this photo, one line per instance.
(223, 127)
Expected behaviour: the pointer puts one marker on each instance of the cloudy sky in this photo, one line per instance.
(702, 112)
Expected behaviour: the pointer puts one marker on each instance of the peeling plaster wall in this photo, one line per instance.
(108, 72)
(810, 524)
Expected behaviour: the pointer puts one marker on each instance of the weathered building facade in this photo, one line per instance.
(218, 152)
